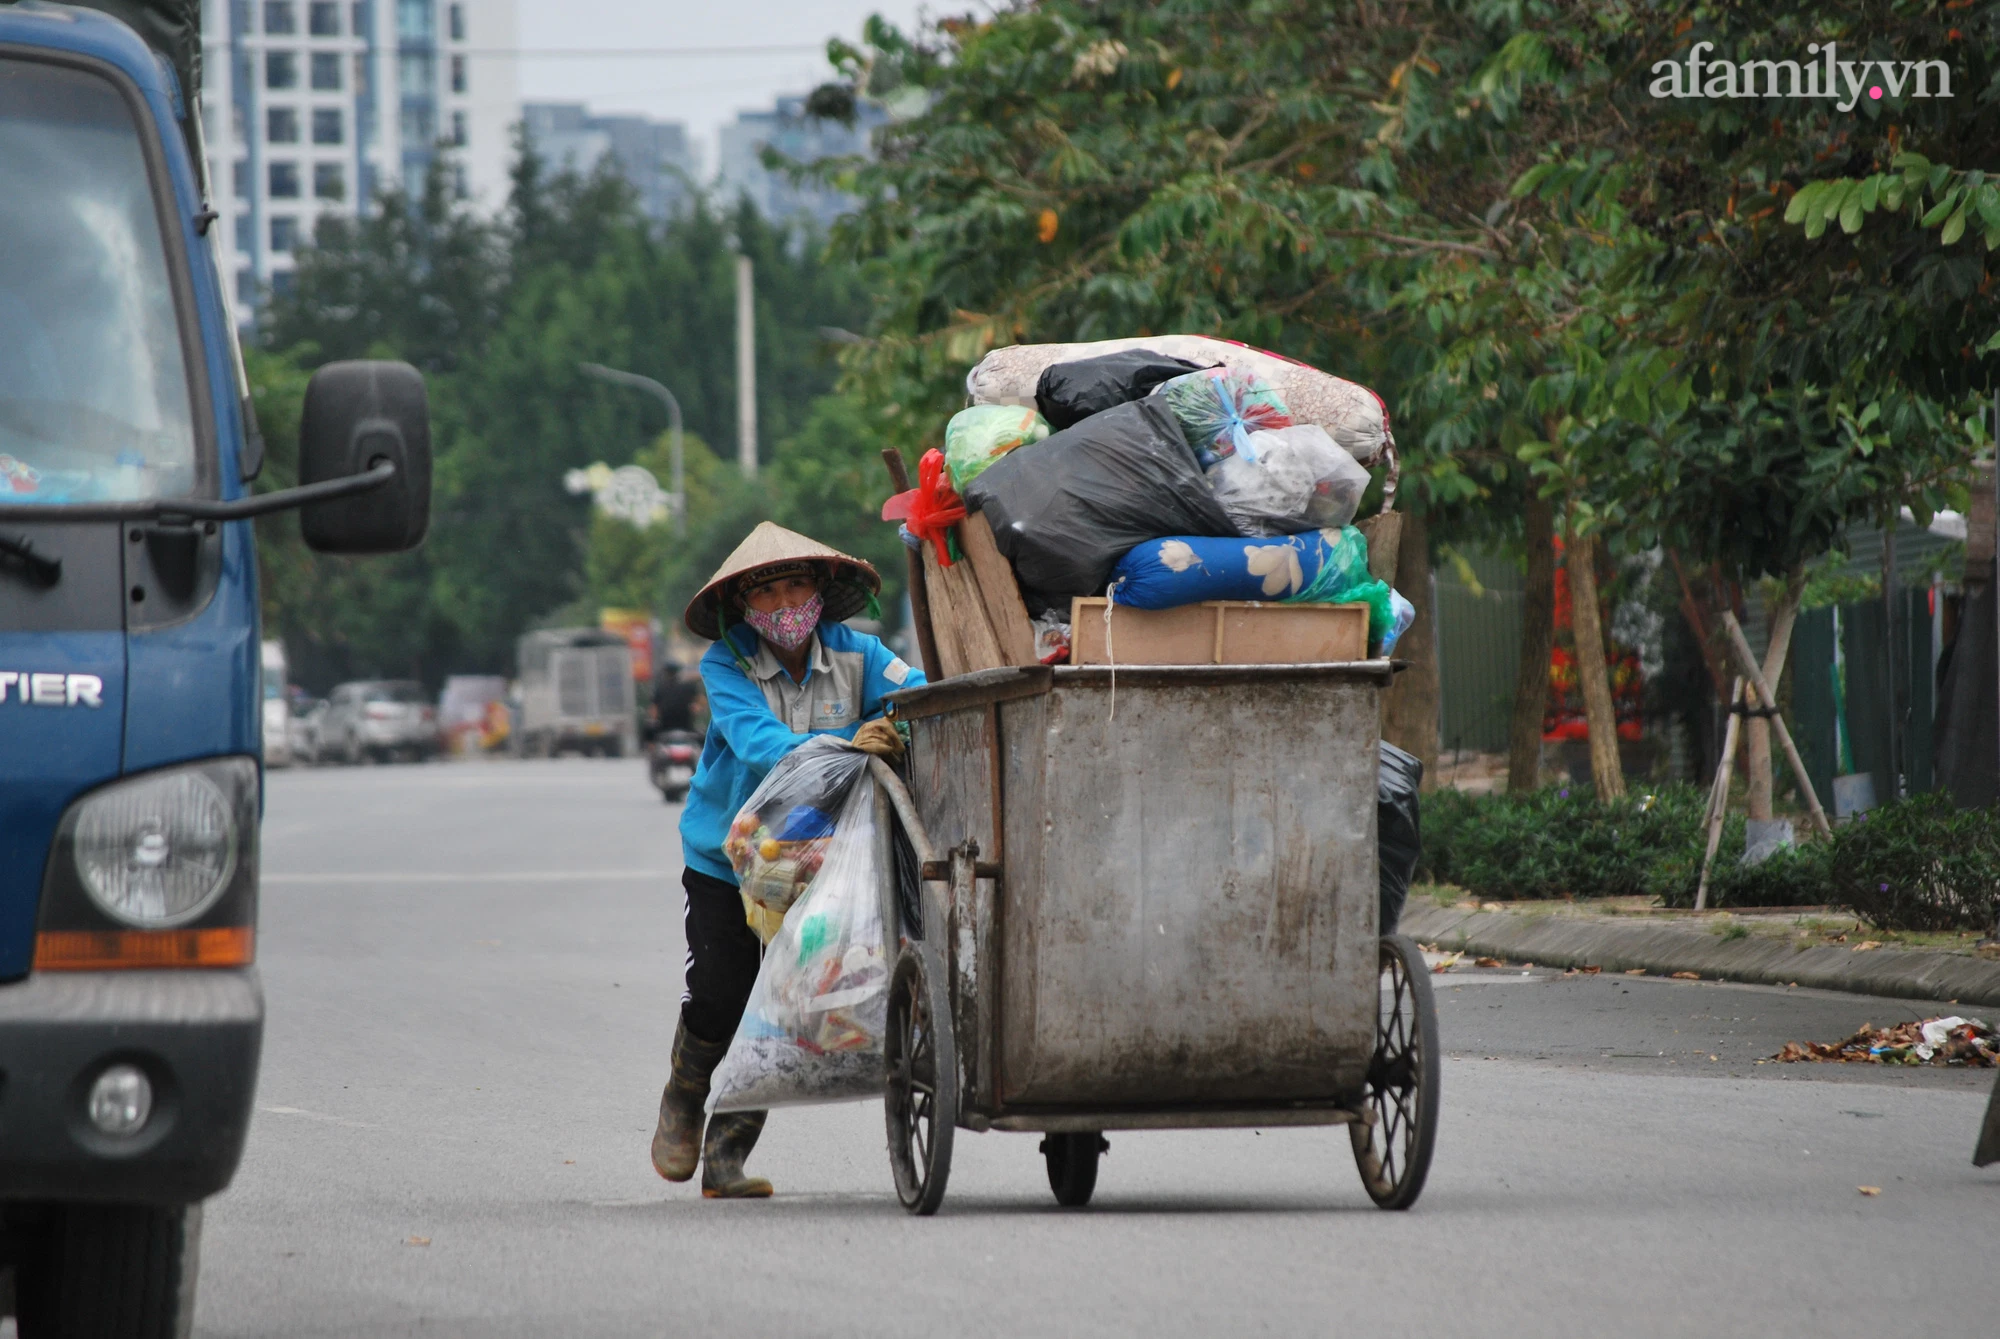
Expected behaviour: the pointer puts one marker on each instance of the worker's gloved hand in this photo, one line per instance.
(879, 738)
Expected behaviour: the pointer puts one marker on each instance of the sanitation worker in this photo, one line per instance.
(783, 668)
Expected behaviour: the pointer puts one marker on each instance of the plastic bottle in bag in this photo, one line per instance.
(813, 1028)
(778, 840)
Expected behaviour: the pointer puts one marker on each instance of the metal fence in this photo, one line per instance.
(1477, 599)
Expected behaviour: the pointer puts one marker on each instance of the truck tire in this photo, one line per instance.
(110, 1271)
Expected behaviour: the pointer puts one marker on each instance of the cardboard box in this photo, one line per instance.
(1218, 632)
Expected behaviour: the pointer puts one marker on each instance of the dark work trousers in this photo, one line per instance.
(723, 954)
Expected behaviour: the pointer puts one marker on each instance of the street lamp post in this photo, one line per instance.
(633, 379)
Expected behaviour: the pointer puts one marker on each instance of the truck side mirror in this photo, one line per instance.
(358, 415)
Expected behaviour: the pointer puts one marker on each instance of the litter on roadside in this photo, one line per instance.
(1944, 1040)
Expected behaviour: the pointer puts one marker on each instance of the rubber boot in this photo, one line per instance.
(730, 1138)
(677, 1139)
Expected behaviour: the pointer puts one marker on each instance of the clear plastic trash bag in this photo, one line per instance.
(1286, 480)
(778, 841)
(813, 1029)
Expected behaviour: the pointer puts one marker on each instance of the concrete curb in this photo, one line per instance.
(1564, 941)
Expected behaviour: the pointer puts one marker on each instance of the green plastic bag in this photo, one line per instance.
(978, 436)
(1343, 579)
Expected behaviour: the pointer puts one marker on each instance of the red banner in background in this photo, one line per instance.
(636, 627)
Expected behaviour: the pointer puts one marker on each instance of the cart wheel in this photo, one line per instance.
(1394, 1151)
(1072, 1162)
(921, 1104)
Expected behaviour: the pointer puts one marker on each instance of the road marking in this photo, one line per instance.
(481, 876)
(315, 1115)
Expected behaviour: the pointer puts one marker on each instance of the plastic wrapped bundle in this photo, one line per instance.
(778, 841)
(1352, 415)
(978, 436)
(813, 1028)
(1187, 569)
(1065, 509)
(1068, 393)
(1218, 408)
(1287, 480)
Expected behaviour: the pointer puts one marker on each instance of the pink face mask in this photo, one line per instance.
(787, 629)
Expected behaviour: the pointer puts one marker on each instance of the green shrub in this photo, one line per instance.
(1563, 843)
(1921, 864)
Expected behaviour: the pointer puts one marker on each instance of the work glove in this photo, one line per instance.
(879, 738)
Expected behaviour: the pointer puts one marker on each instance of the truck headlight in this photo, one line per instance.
(157, 851)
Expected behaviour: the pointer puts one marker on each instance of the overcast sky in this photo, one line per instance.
(704, 91)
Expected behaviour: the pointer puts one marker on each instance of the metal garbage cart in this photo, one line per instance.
(1146, 898)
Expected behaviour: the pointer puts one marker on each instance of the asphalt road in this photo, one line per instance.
(472, 974)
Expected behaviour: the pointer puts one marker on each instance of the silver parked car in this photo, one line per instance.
(307, 714)
(378, 719)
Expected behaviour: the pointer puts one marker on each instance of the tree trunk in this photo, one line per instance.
(1590, 667)
(1538, 635)
(1757, 744)
(1410, 707)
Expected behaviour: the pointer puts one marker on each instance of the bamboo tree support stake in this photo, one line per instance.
(1747, 663)
(1718, 793)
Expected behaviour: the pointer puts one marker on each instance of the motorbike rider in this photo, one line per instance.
(783, 668)
(675, 696)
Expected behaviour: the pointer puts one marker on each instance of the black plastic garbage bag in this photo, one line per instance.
(1068, 393)
(1397, 844)
(1066, 508)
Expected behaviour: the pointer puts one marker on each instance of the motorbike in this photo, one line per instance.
(670, 759)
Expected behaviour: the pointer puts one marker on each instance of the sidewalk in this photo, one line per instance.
(1767, 948)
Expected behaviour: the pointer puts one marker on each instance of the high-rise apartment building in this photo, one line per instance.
(803, 139)
(312, 107)
(654, 156)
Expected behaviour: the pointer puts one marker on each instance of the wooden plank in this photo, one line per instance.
(955, 602)
(994, 575)
(1005, 684)
(953, 658)
(920, 601)
(1248, 633)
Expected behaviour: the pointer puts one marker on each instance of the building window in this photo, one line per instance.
(284, 181)
(329, 181)
(246, 279)
(415, 21)
(236, 122)
(245, 233)
(281, 283)
(413, 72)
(239, 173)
(326, 71)
(360, 74)
(279, 20)
(419, 126)
(458, 74)
(281, 69)
(458, 23)
(284, 233)
(239, 17)
(323, 19)
(281, 125)
(458, 129)
(359, 17)
(326, 125)
(459, 188)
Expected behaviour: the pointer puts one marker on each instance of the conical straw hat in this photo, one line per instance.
(851, 582)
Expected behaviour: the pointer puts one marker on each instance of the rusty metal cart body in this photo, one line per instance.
(1148, 901)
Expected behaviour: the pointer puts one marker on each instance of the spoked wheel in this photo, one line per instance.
(1393, 1147)
(1072, 1160)
(921, 1104)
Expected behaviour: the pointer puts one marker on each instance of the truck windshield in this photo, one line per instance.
(93, 386)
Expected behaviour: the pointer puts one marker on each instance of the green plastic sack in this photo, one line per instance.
(1343, 579)
(978, 436)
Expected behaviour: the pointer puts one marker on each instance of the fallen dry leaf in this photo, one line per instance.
(1866, 945)
(1491, 906)
(1592, 971)
(1635, 971)
(1687, 976)
(416, 1241)
(1487, 962)
(1428, 948)
(569, 1162)
(1444, 965)
(1869, 1190)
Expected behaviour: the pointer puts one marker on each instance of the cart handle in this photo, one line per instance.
(906, 810)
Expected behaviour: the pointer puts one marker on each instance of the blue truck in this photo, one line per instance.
(131, 777)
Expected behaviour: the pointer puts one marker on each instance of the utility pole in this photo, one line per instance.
(666, 397)
(746, 368)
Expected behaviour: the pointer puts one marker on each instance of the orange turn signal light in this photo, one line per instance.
(107, 950)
